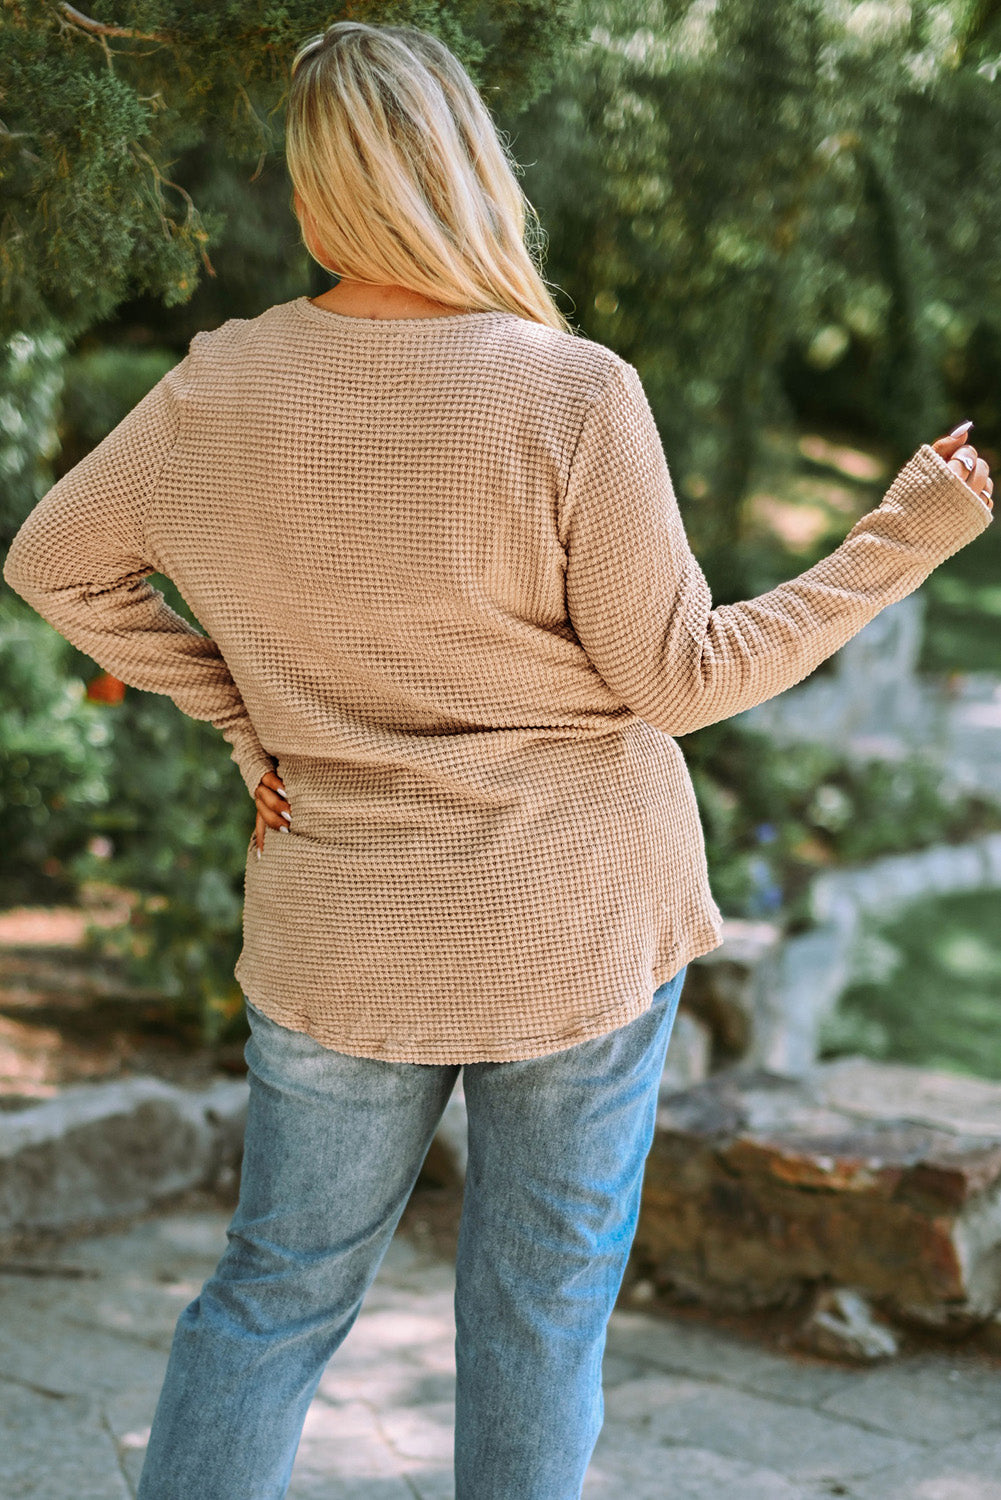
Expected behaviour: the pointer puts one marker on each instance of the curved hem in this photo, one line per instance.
(526, 1047)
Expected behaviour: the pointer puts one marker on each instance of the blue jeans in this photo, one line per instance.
(333, 1147)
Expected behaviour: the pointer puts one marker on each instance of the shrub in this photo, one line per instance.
(55, 759)
(774, 814)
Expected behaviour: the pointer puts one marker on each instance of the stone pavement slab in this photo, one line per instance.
(791, 1440)
(692, 1410)
(53, 1447)
(53, 1353)
(623, 1465)
(916, 1398)
(970, 1470)
(698, 1349)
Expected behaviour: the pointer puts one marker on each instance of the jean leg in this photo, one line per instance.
(332, 1149)
(557, 1152)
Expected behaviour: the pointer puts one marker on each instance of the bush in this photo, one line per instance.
(31, 376)
(773, 815)
(55, 759)
(178, 821)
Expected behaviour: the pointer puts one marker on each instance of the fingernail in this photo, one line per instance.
(283, 793)
(283, 830)
(286, 814)
(961, 428)
(258, 849)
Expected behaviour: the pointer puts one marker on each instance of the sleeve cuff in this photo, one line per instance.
(936, 513)
(253, 763)
(981, 514)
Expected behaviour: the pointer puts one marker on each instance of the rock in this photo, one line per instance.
(763, 999)
(640, 1293)
(98, 1151)
(870, 697)
(760, 1188)
(928, 1096)
(800, 989)
(689, 1053)
(724, 988)
(883, 889)
(773, 1018)
(841, 1323)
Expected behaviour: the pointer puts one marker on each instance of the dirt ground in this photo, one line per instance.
(67, 1016)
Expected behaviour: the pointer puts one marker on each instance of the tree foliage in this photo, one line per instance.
(747, 206)
(54, 759)
(97, 109)
(31, 383)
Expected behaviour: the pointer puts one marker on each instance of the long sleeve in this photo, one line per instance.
(81, 560)
(642, 609)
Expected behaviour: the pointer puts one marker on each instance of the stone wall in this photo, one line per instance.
(100, 1151)
(880, 1178)
(763, 998)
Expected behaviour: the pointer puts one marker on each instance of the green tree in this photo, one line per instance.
(740, 206)
(98, 109)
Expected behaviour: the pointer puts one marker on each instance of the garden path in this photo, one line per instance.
(693, 1409)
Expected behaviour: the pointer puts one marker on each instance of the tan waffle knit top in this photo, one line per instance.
(447, 594)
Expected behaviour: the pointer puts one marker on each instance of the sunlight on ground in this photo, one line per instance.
(799, 527)
(812, 506)
(969, 954)
(64, 926)
(856, 464)
(808, 510)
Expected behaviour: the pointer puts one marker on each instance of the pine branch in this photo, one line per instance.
(100, 28)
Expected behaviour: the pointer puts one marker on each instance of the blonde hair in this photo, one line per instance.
(406, 178)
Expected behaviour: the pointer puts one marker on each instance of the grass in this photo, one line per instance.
(938, 1002)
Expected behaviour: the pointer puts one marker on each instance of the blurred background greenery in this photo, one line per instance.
(793, 233)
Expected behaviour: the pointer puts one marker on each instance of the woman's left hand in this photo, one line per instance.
(272, 805)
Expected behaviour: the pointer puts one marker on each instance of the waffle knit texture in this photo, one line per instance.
(447, 593)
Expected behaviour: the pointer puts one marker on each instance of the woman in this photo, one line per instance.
(453, 626)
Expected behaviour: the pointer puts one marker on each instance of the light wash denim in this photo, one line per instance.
(333, 1147)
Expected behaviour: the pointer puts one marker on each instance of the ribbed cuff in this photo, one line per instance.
(253, 763)
(981, 514)
(937, 512)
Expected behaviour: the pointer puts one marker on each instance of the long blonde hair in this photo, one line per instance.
(406, 178)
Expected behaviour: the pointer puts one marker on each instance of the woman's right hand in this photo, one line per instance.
(965, 461)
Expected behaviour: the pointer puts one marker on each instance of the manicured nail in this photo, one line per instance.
(283, 829)
(286, 814)
(283, 793)
(258, 849)
(961, 428)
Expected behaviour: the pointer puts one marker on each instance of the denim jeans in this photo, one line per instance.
(333, 1146)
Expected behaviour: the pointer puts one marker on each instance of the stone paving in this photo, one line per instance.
(692, 1411)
